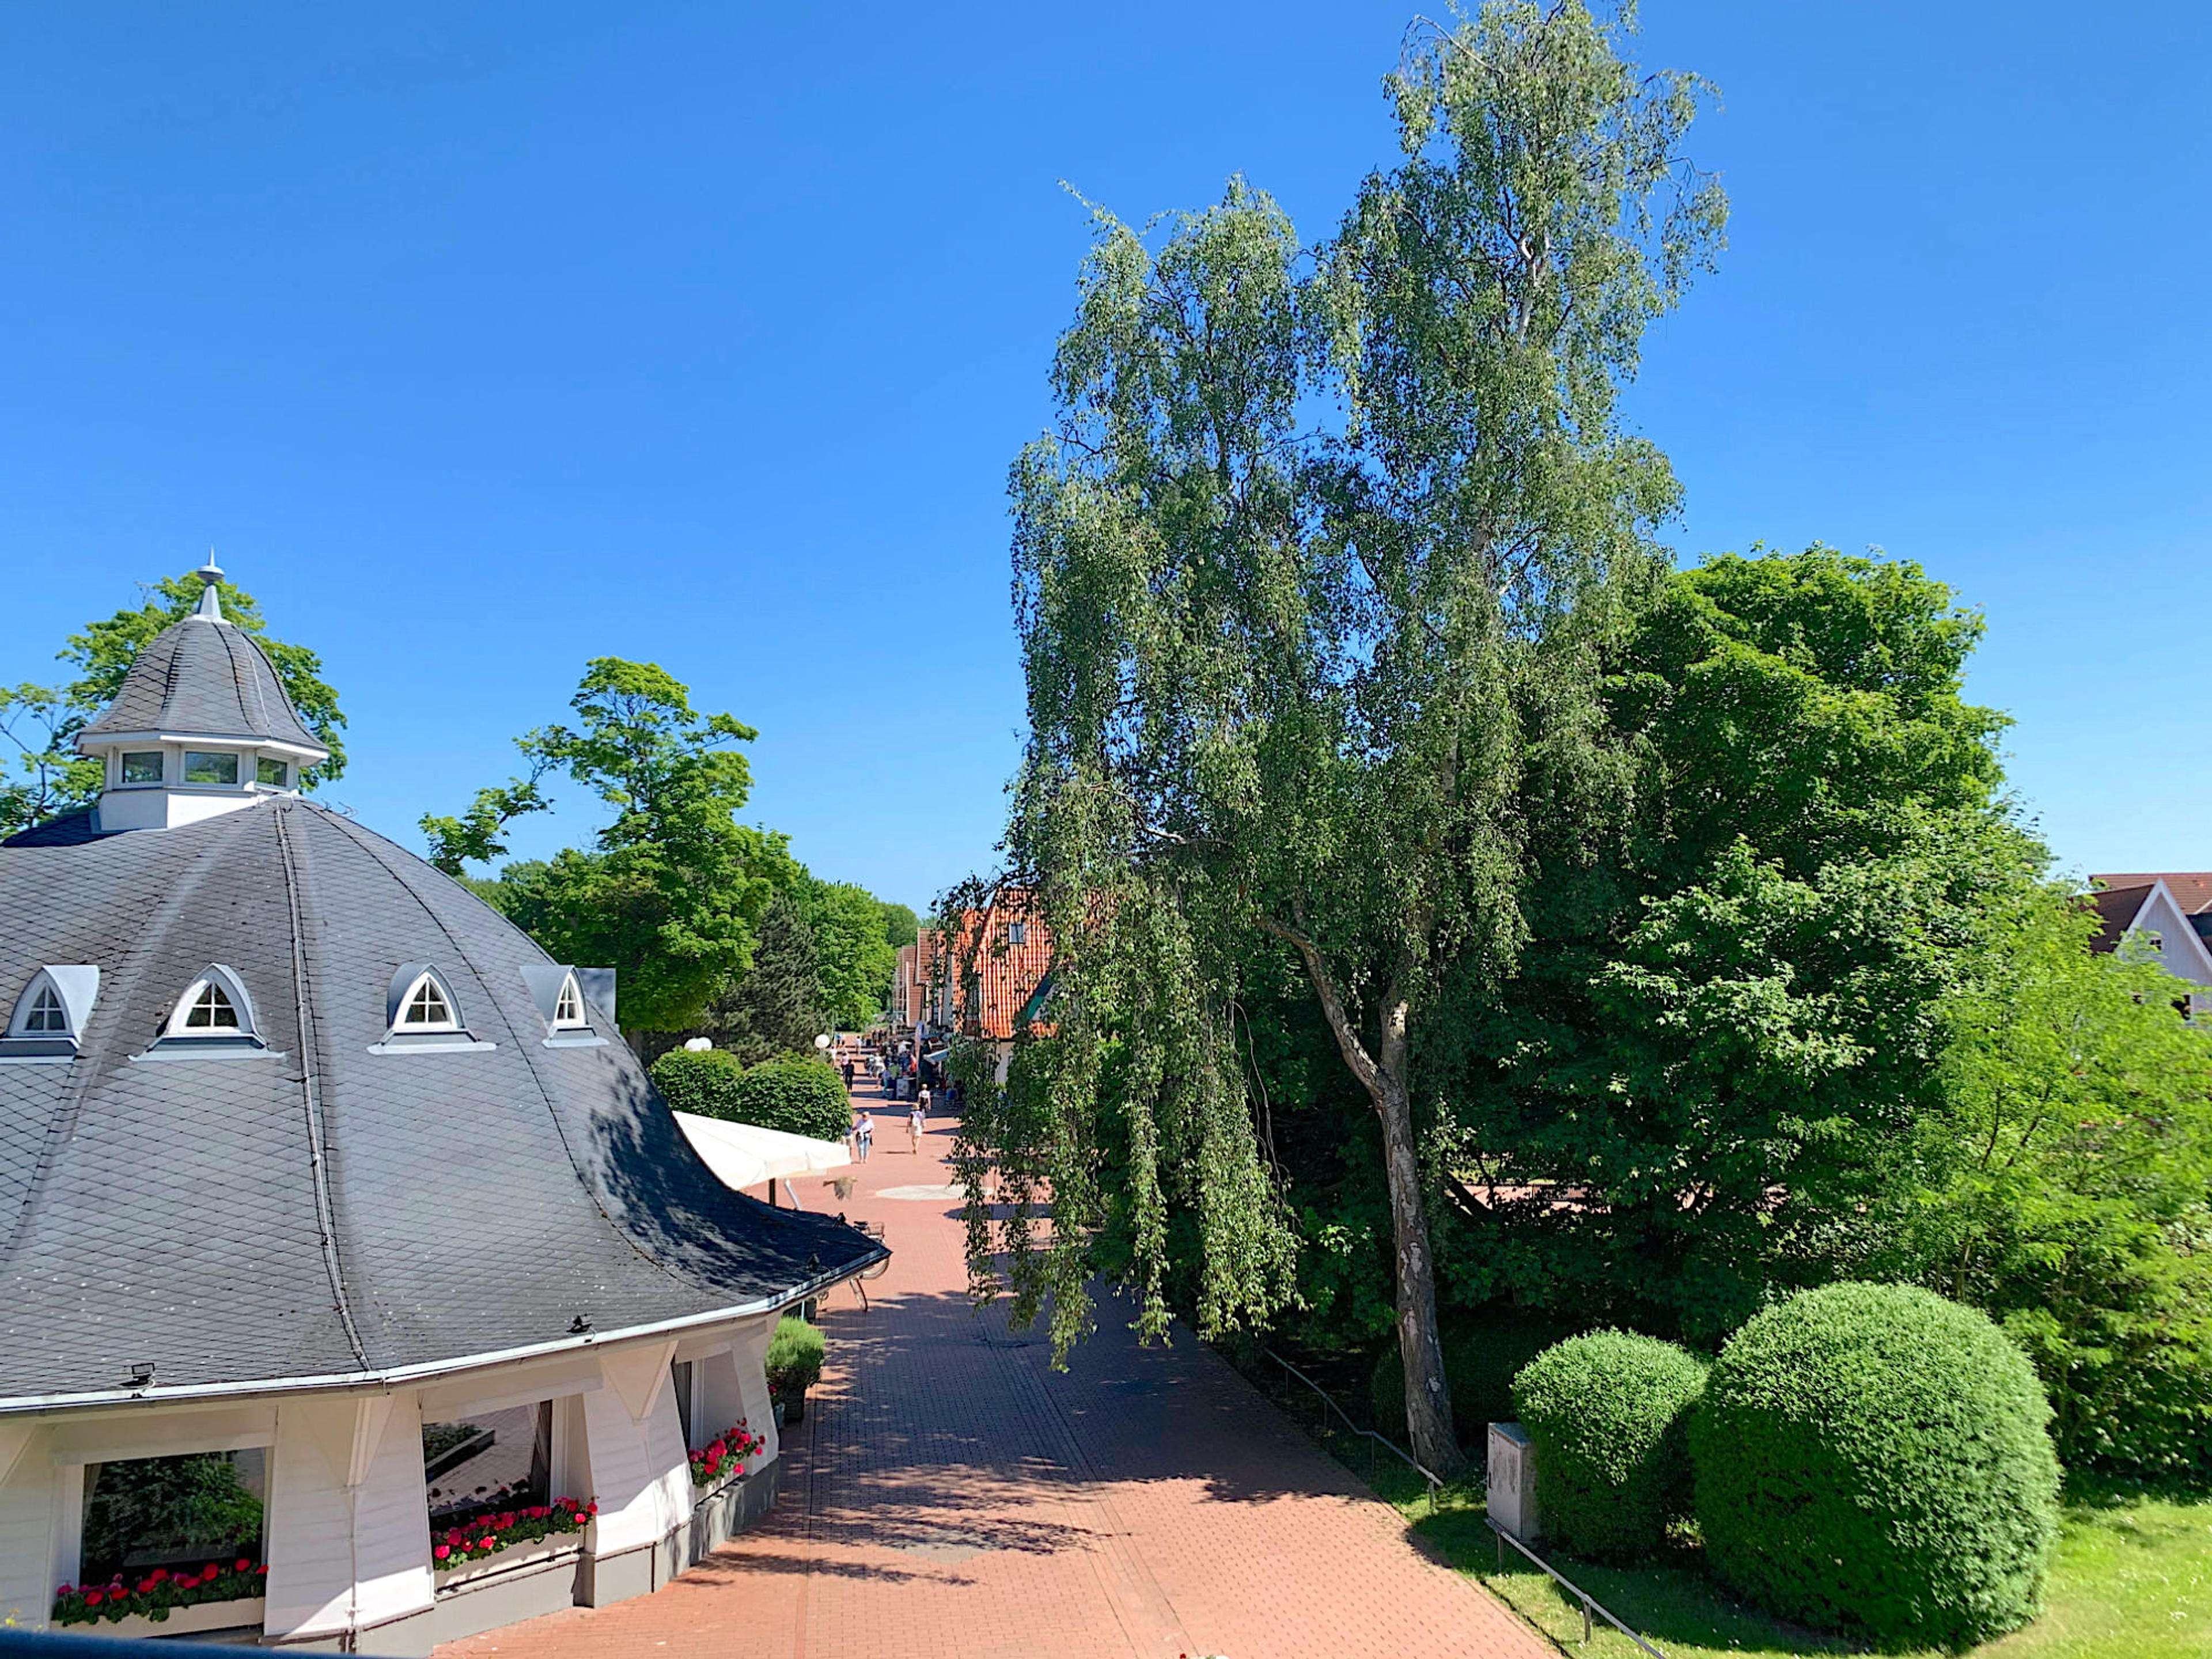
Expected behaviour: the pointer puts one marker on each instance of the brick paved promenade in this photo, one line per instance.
(949, 1496)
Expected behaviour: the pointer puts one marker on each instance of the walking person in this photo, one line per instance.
(865, 1137)
(848, 1076)
(917, 1122)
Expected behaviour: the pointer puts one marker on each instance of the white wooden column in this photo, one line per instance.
(349, 1527)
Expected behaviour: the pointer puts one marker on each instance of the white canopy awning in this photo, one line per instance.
(741, 1155)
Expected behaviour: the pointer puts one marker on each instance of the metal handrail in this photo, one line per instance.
(1591, 1604)
(1435, 1480)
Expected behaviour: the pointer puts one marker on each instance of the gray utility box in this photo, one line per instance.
(1513, 1482)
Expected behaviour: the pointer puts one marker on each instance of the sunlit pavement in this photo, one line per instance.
(950, 1495)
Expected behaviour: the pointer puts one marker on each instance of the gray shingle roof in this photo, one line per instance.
(205, 677)
(170, 1212)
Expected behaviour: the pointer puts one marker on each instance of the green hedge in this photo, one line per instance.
(1873, 1457)
(805, 1097)
(1609, 1413)
(1483, 1351)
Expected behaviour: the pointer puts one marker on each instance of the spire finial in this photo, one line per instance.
(209, 574)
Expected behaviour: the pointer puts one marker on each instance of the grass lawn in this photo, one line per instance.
(2132, 1579)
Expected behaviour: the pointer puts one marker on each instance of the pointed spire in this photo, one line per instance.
(210, 604)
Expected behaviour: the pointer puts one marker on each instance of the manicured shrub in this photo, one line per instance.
(805, 1097)
(795, 1353)
(1483, 1351)
(1609, 1413)
(1874, 1457)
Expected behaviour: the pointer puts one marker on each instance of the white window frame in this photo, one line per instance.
(402, 1025)
(569, 1013)
(223, 981)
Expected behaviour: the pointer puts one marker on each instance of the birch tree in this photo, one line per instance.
(1309, 575)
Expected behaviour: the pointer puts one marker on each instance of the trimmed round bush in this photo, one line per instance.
(805, 1097)
(1873, 1457)
(1482, 1353)
(1609, 1414)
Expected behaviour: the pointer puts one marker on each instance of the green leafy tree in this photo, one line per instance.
(2074, 1194)
(781, 1006)
(900, 926)
(854, 954)
(1701, 1085)
(45, 776)
(673, 889)
(1285, 676)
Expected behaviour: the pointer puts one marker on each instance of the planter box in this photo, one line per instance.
(182, 1621)
(513, 1558)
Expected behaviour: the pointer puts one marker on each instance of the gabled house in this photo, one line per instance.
(989, 973)
(2168, 915)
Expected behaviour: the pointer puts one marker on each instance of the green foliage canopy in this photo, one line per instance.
(801, 1096)
(780, 1005)
(673, 889)
(1282, 673)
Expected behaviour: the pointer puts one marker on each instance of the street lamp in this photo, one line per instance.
(823, 1041)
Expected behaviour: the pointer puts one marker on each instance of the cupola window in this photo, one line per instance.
(210, 766)
(143, 767)
(273, 772)
(48, 1015)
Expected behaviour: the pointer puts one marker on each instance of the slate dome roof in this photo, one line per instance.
(204, 677)
(315, 1212)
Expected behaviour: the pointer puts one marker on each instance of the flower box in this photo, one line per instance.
(514, 1559)
(723, 1457)
(495, 1540)
(245, 1610)
(165, 1600)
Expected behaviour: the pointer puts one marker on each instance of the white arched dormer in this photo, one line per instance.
(46, 1024)
(558, 993)
(422, 1015)
(212, 1019)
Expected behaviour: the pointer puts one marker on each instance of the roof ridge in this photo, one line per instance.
(311, 1091)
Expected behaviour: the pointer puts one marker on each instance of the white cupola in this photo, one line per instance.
(201, 726)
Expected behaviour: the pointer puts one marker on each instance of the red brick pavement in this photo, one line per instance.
(950, 1495)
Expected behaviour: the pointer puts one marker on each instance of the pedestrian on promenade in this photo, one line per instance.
(848, 1076)
(917, 1122)
(865, 1136)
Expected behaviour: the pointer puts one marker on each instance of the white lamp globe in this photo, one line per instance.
(698, 1045)
(822, 1042)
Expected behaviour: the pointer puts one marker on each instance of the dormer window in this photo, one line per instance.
(427, 1007)
(142, 767)
(212, 1019)
(48, 1015)
(423, 1015)
(273, 773)
(215, 765)
(559, 995)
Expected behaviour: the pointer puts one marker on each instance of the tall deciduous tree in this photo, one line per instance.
(780, 1005)
(1285, 674)
(674, 887)
(853, 950)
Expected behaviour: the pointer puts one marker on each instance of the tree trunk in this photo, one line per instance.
(1428, 1394)
(1420, 1345)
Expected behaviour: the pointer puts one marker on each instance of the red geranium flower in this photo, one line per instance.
(159, 1574)
(442, 1551)
(263, 1570)
(241, 1565)
(93, 1598)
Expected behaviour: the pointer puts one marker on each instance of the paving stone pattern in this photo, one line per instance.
(950, 1495)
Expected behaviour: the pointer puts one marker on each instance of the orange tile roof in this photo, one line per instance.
(2192, 888)
(1005, 973)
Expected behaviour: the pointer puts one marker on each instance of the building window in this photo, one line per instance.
(144, 767)
(178, 1513)
(46, 1015)
(493, 1461)
(210, 766)
(568, 1009)
(427, 1007)
(1018, 933)
(206, 1009)
(271, 772)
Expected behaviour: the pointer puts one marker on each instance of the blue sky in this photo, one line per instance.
(480, 340)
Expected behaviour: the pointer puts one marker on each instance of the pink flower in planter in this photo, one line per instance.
(442, 1551)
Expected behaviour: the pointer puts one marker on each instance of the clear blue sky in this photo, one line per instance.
(480, 340)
